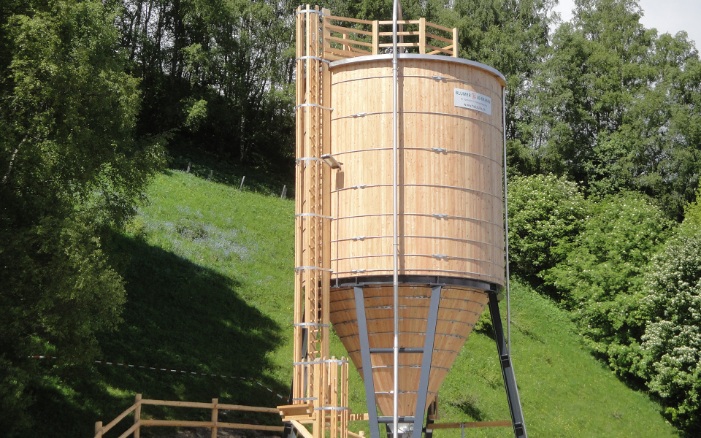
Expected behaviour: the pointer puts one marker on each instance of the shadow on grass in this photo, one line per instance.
(178, 316)
(468, 405)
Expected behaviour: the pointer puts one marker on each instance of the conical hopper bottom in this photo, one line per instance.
(458, 309)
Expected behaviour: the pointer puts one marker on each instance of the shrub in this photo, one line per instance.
(600, 277)
(671, 346)
(544, 213)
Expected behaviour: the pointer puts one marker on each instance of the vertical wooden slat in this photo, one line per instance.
(333, 398)
(422, 35)
(344, 399)
(98, 429)
(326, 33)
(318, 424)
(375, 37)
(297, 380)
(456, 46)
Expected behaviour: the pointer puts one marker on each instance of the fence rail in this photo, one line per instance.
(213, 425)
(350, 37)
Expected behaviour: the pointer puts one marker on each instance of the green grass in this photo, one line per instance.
(564, 391)
(209, 272)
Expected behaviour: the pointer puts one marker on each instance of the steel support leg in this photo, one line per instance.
(427, 358)
(507, 369)
(367, 363)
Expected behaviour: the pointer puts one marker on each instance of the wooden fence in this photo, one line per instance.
(213, 425)
(346, 37)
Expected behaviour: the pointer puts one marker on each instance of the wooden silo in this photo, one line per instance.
(418, 221)
(451, 228)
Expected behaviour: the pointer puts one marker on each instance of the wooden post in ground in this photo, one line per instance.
(137, 415)
(215, 417)
(98, 429)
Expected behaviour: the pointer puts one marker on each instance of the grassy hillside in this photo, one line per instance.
(209, 272)
(564, 391)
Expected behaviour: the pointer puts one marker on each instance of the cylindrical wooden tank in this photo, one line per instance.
(450, 168)
(450, 214)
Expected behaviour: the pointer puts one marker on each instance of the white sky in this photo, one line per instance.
(667, 16)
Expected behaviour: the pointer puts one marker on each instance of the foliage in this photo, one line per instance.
(618, 106)
(601, 275)
(671, 345)
(70, 168)
(232, 56)
(692, 216)
(511, 36)
(545, 213)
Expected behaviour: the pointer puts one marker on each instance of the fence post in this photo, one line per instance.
(284, 192)
(215, 417)
(98, 429)
(137, 416)
(242, 180)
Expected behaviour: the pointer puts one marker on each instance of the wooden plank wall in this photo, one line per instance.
(451, 179)
(459, 309)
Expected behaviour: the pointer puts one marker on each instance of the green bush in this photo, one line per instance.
(671, 345)
(600, 277)
(545, 212)
(692, 216)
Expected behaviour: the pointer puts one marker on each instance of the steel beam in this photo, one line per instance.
(507, 370)
(422, 394)
(367, 363)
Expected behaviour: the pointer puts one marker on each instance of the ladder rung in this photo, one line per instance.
(387, 420)
(401, 350)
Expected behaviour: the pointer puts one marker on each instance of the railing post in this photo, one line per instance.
(215, 417)
(456, 48)
(422, 35)
(137, 416)
(325, 32)
(98, 429)
(375, 37)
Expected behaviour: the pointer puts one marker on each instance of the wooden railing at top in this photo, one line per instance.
(213, 425)
(346, 37)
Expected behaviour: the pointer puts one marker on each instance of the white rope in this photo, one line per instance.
(171, 370)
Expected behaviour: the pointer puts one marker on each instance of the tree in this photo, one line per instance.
(618, 106)
(511, 36)
(70, 169)
(233, 57)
